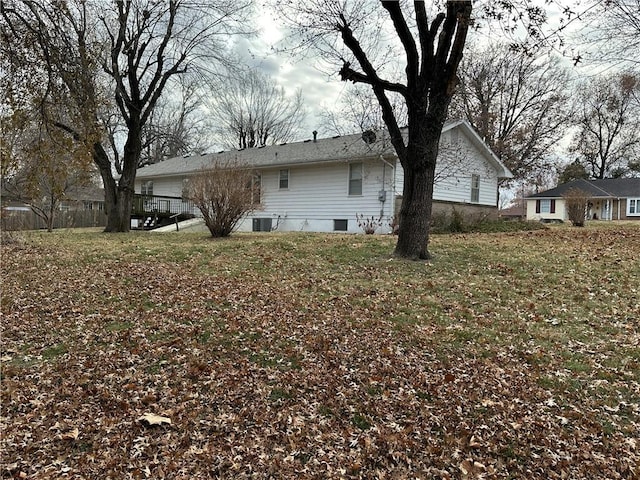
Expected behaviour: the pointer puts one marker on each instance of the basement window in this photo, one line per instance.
(340, 225)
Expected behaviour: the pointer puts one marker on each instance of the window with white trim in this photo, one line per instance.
(545, 206)
(147, 188)
(256, 188)
(475, 188)
(355, 178)
(284, 179)
(633, 207)
(185, 189)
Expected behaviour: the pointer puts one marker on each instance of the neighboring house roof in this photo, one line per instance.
(9, 192)
(85, 193)
(513, 211)
(606, 188)
(325, 150)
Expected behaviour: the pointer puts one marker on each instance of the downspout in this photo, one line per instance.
(384, 171)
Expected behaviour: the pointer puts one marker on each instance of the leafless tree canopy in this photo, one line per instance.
(224, 193)
(177, 125)
(252, 111)
(608, 138)
(612, 34)
(517, 102)
(359, 111)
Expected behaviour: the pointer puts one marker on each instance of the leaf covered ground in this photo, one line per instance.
(319, 356)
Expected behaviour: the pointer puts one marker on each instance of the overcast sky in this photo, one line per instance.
(321, 88)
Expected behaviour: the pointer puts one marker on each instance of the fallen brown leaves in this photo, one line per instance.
(510, 356)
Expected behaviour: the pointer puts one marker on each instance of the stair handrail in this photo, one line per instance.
(175, 216)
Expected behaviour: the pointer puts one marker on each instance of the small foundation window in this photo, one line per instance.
(340, 225)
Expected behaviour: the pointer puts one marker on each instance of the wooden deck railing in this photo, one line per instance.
(162, 206)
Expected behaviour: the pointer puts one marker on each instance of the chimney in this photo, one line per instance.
(315, 136)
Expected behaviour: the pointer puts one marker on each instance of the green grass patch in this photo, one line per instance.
(361, 421)
(118, 326)
(51, 353)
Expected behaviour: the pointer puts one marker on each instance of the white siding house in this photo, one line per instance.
(322, 185)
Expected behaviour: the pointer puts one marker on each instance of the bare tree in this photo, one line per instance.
(140, 45)
(358, 111)
(612, 35)
(151, 42)
(431, 52)
(176, 126)
(252, 111)
(608, 138)
(224, 193)
(517, 102)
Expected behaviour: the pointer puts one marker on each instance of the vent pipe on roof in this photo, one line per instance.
(315, 136)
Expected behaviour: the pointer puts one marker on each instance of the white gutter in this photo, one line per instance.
(393, 184)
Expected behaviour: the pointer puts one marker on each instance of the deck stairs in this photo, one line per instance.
(149, 223)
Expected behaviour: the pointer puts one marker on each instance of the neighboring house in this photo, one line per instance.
(610, 199)
(79, 198)
(83, 198)
(321, 185)
(514, 212)
(82, 206)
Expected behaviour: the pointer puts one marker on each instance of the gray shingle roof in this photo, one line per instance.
(335, 149)
(606, 188)
(323, 150)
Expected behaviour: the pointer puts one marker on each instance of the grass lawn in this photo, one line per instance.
(319, 356)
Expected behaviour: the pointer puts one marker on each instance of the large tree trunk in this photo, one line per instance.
(419, 165)
(119, 195)
(419, 173)
(118, 200)
(101, 159)
(125, 203)
(126, 184)
(415, 214)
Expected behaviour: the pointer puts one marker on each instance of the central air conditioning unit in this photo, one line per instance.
(261, 224)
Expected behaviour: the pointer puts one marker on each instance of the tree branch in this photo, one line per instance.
(406, 37)
(379, 86)
(349, 74)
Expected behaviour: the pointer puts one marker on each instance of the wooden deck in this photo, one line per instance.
(152, 211)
